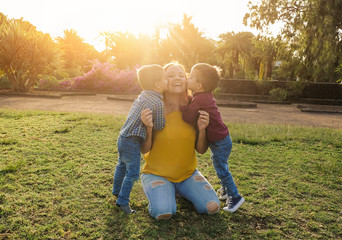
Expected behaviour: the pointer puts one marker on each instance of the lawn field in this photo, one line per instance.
(56, 174)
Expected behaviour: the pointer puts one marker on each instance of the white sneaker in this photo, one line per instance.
(222, 194)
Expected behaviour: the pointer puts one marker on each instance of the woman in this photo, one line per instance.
(170, 166)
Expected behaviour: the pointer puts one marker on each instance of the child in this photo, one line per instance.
(203, 80)
(133, 133)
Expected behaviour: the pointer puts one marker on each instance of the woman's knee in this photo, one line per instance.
(164, 216)
(212, 207)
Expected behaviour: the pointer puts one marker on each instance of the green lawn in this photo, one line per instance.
(56, 173)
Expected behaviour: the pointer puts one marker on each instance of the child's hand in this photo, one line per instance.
(146, 117)
(203, 120)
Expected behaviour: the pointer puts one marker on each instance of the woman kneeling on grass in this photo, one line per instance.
(170, 166)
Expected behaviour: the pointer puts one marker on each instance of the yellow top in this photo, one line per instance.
(173, 151)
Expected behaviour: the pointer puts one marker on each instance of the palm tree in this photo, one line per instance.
(187, 43)
(26, 53)
(233, 46)
(265, 50)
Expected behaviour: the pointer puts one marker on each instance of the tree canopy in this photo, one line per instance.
(312, 29)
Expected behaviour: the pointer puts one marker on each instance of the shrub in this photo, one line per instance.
(48, 83)
(5, 82)
(104, 76)
(217, 92)
(295, 89)
(278, 94)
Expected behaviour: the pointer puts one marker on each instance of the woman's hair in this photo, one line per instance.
(208, 75)
(174, 64)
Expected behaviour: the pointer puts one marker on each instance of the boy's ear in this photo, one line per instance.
(199, 86)
(157, 84)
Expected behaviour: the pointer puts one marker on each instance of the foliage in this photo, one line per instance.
(104, 76)
(4, 82)
(56, 181)
(339, 72)
(295, 89)
(217, 92)
(312, 30)
(264, 87)
(26, 53)
(278, 94)
(126, 49)
(48, 82)
(264, 53)
(231, 48)
(187, 43)
(76, 53)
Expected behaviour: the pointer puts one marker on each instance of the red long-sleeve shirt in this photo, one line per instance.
(216, 129)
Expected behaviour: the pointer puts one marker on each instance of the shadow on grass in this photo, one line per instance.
(188, 224)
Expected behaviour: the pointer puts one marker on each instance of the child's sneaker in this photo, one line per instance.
(233, 204)
(222, 194)
(126, 209)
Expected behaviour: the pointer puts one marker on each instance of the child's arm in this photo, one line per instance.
(190, 112)
(146, 118)
(158, 116)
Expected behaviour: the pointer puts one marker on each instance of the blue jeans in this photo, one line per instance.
(220, 151)
(161, 194)
(128, 168)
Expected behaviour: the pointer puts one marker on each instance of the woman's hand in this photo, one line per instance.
(202, 123)
(203, 120)
(146, 118)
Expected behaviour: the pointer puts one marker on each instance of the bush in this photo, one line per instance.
(278, 94)
(295, 89)
(105, 76)
(48, 83)
(217, 92)
(5, 82)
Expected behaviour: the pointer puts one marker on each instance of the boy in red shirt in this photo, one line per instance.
(203, 79)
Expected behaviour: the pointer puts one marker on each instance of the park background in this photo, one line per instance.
(51, 188)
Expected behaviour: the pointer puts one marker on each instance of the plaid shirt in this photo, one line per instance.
(147, 99)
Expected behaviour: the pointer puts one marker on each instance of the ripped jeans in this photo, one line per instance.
(161, 194)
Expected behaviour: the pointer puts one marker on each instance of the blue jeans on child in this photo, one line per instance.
(128, 168)
(161, 194)
(220, 151)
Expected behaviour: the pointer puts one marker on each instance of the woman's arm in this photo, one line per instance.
(146, 118)
(202, 123)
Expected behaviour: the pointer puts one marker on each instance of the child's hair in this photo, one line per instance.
(209, 76)
(148, 75)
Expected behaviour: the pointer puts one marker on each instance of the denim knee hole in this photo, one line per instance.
(157, 183)
(199, 178)
(213, 207)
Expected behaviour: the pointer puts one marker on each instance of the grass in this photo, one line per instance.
(56, 173)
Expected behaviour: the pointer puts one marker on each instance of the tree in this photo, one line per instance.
(25, 53)
(76, 53)
(232, 47)
(265, 50)
(187, 44)
(313, 29)
(125, 48)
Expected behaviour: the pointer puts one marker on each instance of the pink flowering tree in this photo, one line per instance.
(105, 76)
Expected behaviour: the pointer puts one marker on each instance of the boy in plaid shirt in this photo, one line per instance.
(133, 133)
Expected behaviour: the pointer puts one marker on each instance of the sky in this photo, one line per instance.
(90, 17)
